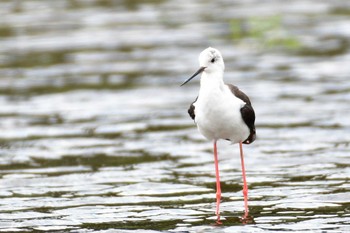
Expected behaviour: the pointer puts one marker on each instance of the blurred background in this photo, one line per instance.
(94, 130)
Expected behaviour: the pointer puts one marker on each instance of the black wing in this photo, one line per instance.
(247, 112)
(191, 109)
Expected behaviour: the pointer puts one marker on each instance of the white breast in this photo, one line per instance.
(218, 115)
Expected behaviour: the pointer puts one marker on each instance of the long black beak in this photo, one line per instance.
(200, 70)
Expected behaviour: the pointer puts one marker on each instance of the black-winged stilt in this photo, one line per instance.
(222, 111)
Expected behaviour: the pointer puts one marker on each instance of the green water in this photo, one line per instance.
(95, 134)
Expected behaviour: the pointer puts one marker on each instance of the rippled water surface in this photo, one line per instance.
(95, 134)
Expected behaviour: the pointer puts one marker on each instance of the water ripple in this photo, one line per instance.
(95, 134)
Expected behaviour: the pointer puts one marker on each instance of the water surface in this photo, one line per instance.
(95, 134)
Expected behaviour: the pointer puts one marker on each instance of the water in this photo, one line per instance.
(95, 134)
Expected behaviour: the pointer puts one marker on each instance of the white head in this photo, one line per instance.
(210, 60)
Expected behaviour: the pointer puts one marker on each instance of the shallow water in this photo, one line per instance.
(95, 134)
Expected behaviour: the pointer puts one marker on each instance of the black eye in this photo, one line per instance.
(212, 60)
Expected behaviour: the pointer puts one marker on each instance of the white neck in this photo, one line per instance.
(212, 81)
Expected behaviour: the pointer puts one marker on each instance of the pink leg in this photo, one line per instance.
(218, 188)
(245, 186)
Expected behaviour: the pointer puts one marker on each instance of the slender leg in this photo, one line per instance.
(245, 186)
(218, 188)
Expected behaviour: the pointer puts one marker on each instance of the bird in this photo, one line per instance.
(222, 111)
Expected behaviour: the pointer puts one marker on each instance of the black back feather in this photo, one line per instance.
(247, 112)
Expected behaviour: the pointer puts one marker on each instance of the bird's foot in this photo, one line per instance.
(247, 219)
(218, 222)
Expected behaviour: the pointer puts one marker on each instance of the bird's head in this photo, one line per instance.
(210, 60)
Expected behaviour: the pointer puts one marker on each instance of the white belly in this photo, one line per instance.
(218, 116)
